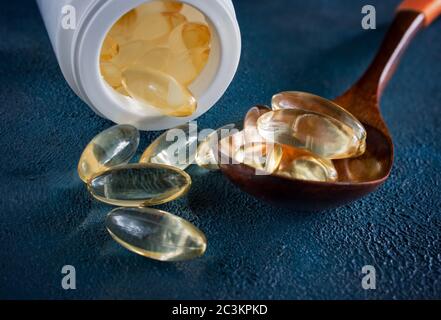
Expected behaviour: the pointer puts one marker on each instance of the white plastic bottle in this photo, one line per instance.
(78, 52)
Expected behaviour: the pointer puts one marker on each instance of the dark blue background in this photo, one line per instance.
(47, 218)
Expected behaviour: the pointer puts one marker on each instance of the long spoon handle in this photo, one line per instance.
(412, 16)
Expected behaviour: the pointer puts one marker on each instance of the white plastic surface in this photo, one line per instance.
(78, 51)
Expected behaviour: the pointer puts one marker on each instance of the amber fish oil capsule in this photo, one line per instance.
(318, 133)
(154, 52)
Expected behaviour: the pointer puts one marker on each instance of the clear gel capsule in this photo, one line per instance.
(158, 25)
(207, 155)
(123, 29)
(255, 151)
(189, 36)
(251, 133)
(139, 185)
(176, 147)
(159, 90)
(318, 133)
(303, 165)
(109, 49)
(157, 58)
(131, 52)
(262, 156)
(186, 66)
(111, 73)
(112, 147)
(159, 7)
(156, 234)
(309, 102)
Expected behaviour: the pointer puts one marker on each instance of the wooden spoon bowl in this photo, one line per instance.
(359, 176)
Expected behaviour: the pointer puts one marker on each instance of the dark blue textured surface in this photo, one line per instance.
(48, 220)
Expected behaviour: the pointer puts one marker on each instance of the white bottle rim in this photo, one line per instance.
(208, 88)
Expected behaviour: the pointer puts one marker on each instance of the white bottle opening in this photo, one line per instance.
(78, 53)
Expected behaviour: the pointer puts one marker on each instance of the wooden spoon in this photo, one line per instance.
(360, 176)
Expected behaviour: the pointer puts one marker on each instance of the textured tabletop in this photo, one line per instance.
(255, 250)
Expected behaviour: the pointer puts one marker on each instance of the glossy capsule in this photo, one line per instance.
(310, 102)
(157, 25)
(255, 150)
(156, 234)
(139, 185)
(316, 132)
(109, 49)
(131, 52)
(156, 89)
(207, 155)
(251, 133)
(111, 73)
(159, 7)
(112, 147)
(123, 29)
(303, 165)
(189, 36)
(264, 157)
(184, 67)
(176, 147)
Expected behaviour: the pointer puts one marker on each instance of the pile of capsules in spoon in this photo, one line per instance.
(154, 53)
(298, 138)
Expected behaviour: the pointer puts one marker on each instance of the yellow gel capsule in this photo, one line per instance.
(310, 102)
(207, 155)
(122, 30)
(318, 133)
(137, 185)
(176, 147)
(155, 234)
(184, 67)
(193, 14)
(112, 147)
(109, 49)
(181, 68)
(189, 36)
(157, 58)
(264, 157)
(159, 90)
(255, 151)
(131, 52)
(303, 165)
(251, 133)
(159, 7)
(158, 25)
(111, 73)
(122, 90)
(200, 58)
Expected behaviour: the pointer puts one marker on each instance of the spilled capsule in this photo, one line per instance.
(112, 147)
(155, 234)
(176, 147)
(139, 185)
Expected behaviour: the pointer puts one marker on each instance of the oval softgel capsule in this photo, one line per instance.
(139, 185)
(112, 147)
(156, 234)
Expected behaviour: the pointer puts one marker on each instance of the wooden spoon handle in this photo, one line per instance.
(430, 8)
(405, 26)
